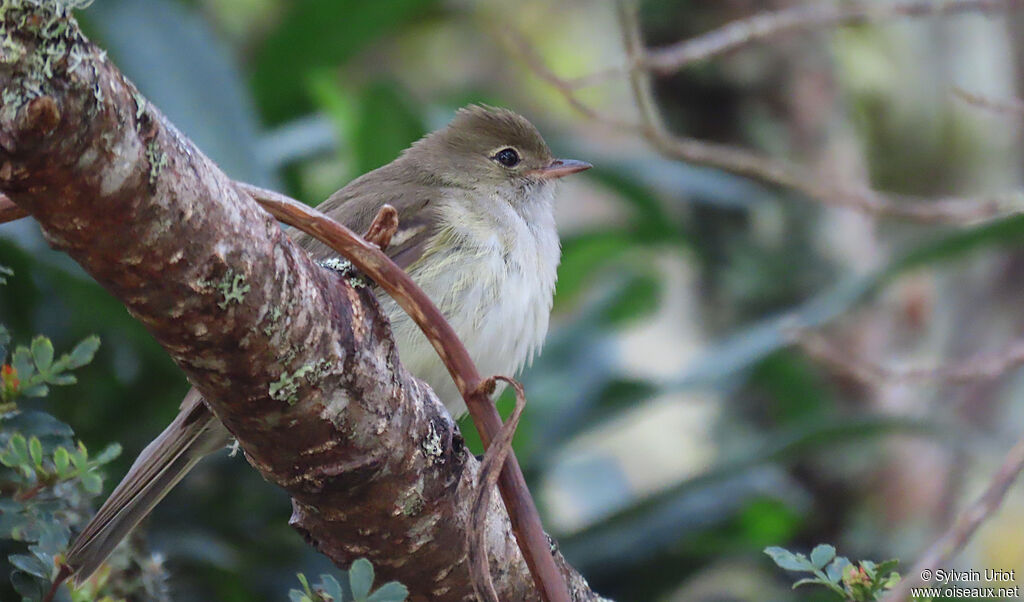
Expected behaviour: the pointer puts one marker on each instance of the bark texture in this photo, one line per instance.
(296, 361)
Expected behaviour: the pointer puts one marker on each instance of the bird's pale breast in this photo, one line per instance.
(495, 290)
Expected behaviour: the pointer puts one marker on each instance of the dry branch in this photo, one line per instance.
(946, 547)
(296, 361)
(811, 17)
(981, 367)
(1013, 107)
(750, 164)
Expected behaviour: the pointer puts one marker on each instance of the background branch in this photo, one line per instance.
(777, 172)
(984, 366)
(809, 17)
(946, 547)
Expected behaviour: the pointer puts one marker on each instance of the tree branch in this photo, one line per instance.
(296, 361)
(980, 367)
(795, 19)
(750, 164)
(946, 547)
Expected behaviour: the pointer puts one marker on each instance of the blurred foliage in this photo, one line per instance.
(858, 582)
(314, 34)
(355, 586)
(48, 480)
(305, 95)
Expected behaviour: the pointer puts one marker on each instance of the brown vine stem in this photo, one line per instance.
(370, 260)
(490, 470)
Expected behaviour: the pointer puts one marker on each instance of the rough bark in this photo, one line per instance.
(296, 361)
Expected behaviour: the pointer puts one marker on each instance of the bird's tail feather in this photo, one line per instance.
(195, 433)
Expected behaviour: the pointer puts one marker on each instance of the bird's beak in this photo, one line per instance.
(559, 168)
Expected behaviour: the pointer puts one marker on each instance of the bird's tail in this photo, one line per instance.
(195, 433)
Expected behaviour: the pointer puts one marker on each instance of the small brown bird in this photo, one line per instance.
(476, 233)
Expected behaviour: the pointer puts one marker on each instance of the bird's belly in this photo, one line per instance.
(499, 312)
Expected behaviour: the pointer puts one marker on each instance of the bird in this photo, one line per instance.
(476, 231)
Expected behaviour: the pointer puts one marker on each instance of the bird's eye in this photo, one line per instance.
(507, 157)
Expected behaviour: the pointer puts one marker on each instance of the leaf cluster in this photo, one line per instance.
(355, 586)
(860, 582)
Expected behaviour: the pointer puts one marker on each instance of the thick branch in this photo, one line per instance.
(296, 361)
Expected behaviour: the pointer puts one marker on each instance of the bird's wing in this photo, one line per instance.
(357, 204)
(196, 432)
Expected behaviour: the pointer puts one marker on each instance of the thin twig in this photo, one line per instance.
(956, 538)
(375, 264)
(523, 50)
(383, 227)
(1013, 107)
(811, 17)
(981, 367)
(62, 575)
(490, 469)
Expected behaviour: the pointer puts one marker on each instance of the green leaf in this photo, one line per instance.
(19, 446)
(37, 390)
(61, 460)
(108, 454)
(59, 379)
(30, 564)
(35, 450)
(330, 587)
(392, 591)
(29, 588)
(22, 362)
(360, 578)
(80, 457)
(83, 352)
(92, 482)
(891, 581)
(834, 572)
(42, 353)
(295, 595)
(788, 560)
(887, 565)
(822, 555)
